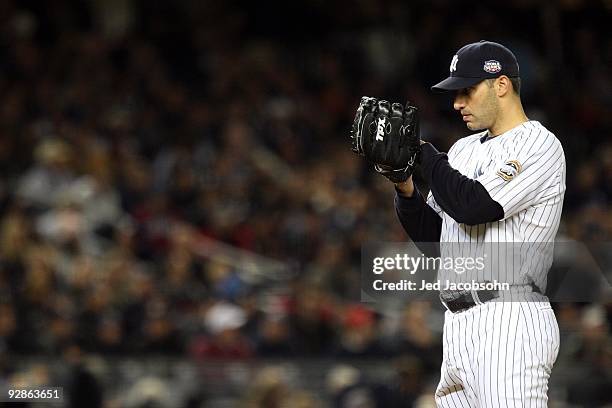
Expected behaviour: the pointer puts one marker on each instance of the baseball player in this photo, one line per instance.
(503, 184)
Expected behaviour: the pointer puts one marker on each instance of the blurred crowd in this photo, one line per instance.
(131, 132)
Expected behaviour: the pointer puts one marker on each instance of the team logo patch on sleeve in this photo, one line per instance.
(509, 170)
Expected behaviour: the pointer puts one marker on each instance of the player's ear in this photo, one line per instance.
(502, 85)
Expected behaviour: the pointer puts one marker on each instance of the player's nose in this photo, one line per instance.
(459, 102)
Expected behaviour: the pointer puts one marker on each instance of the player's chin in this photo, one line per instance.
(474, 126)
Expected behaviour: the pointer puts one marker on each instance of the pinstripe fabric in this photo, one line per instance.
(532, 203)
(500, 353)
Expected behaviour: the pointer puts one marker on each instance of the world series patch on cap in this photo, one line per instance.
(476, 62)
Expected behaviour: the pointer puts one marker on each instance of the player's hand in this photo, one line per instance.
(405, 188)
(388, 136)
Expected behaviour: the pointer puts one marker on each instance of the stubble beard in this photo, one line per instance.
(486, 119)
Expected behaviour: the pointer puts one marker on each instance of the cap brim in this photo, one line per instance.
(455, 83)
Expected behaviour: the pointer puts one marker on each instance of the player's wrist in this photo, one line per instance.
(405, 188)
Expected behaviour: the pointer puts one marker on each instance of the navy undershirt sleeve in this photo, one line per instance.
(464, 199)
(422, 224)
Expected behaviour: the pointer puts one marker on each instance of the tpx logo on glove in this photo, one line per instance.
(382, 128)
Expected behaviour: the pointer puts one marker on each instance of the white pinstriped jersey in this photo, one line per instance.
(523, 170)
(500, 354)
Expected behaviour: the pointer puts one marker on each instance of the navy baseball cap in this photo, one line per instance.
(476, 62)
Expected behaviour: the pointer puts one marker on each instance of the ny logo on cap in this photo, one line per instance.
(453, 65)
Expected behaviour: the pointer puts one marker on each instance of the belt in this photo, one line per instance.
(470, 299)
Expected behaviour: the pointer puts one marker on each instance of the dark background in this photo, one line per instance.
(181, 218)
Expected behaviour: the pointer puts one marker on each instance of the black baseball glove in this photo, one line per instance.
(388, 136)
